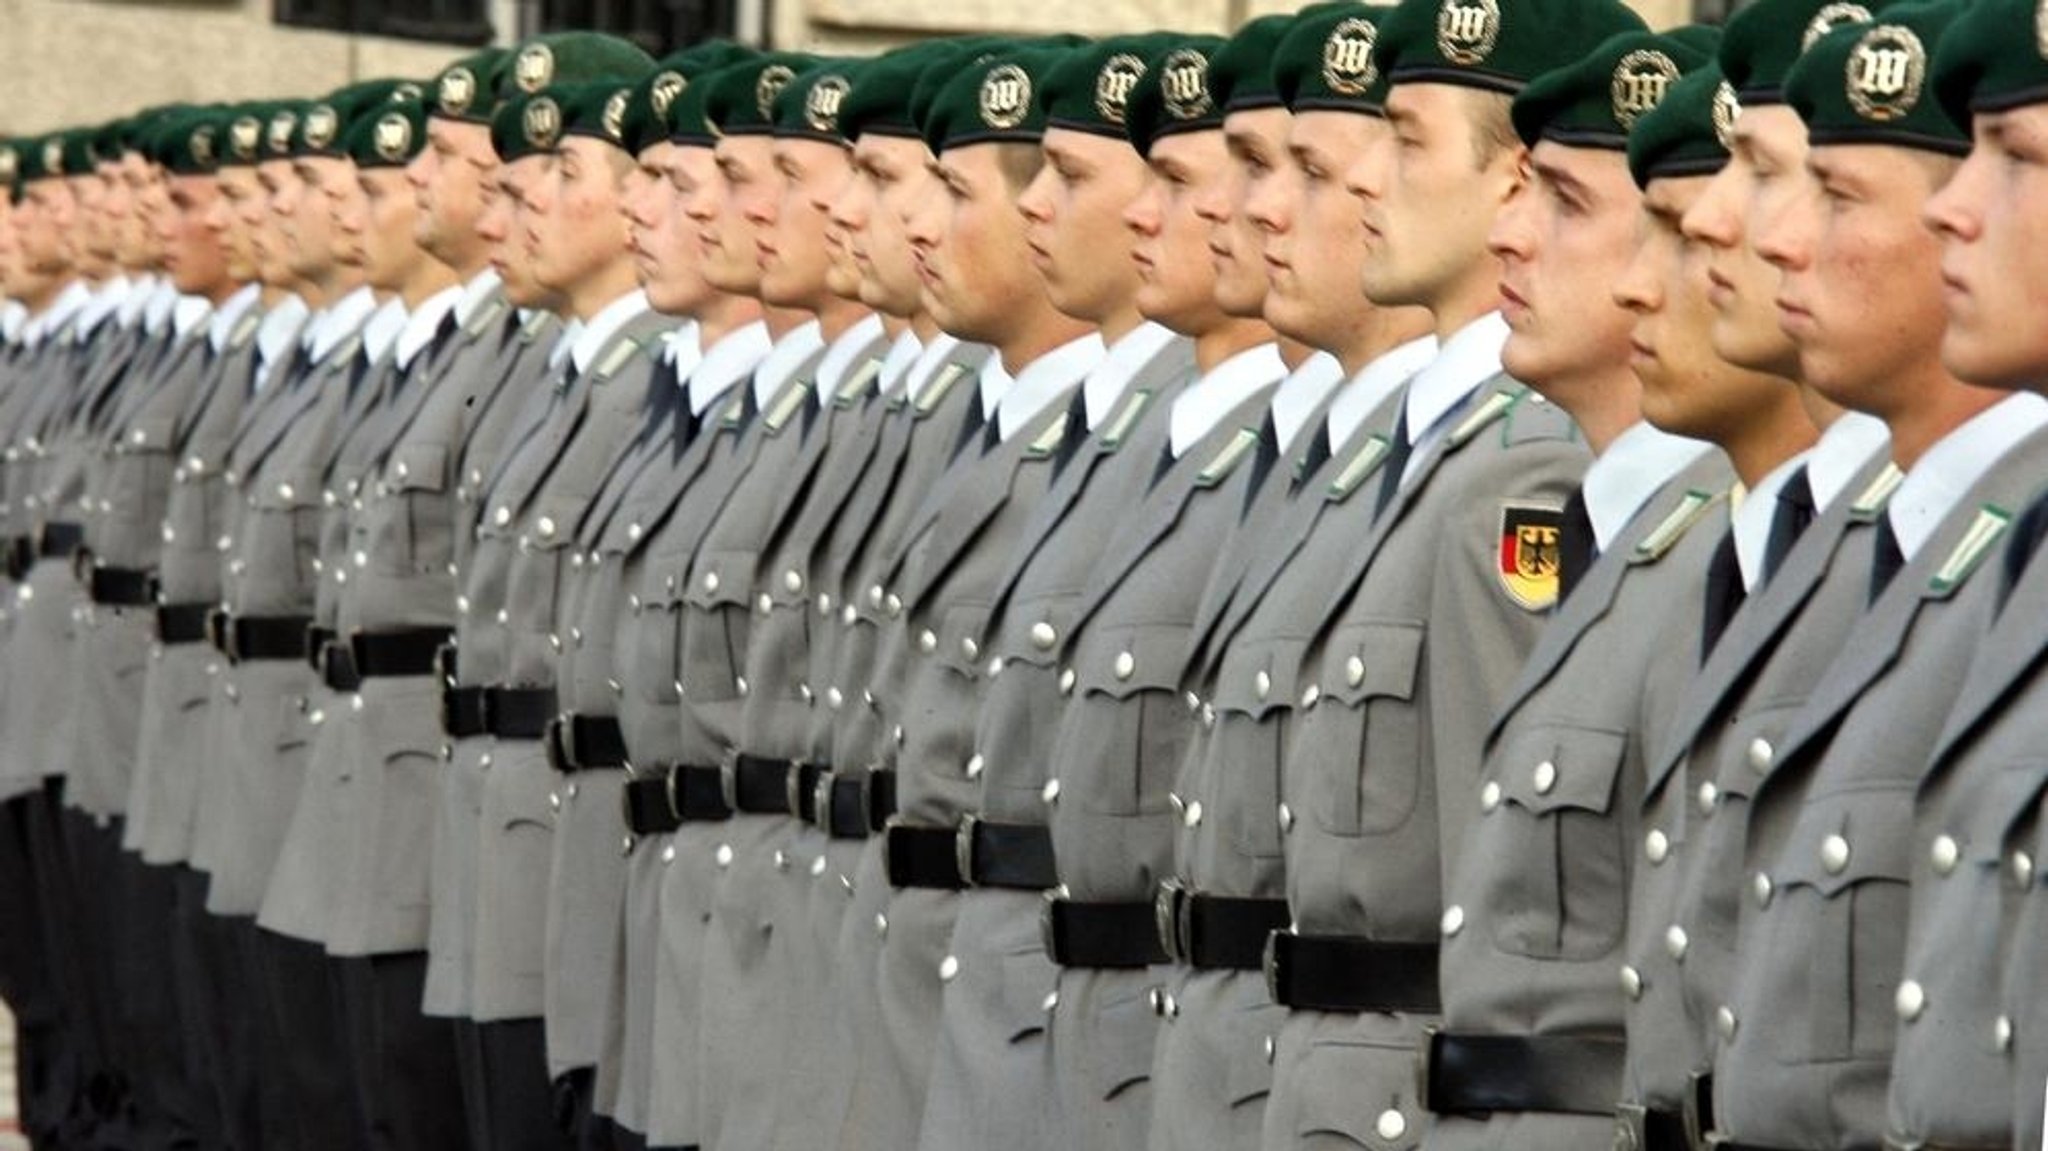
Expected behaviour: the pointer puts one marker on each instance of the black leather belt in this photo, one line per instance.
(1555, 1074)
(1012, 855)
(462, 712)
(59, 540)
(411, 651)
(803, 789)
(178, 623)
(518, 712)
(697, 795)
(1348, 973)
(754, 785)
(1078, 934)
(1649, 1129)
(264, 637)
(855, 805)
(578, 742)
(925, 857)
(122, 587)
(337, 668)
(317, 656)
(1215, 932)
(647, 809)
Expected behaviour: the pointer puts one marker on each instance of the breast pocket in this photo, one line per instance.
(1366, 712)
(1552, 842)
(717, 599)
(282, 536)
(413, 531)
(1130, 682)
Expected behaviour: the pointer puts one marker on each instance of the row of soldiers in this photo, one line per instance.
(1455, 574)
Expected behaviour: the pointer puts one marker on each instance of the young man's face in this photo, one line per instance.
(1767, 166)
(1861, 295)
(1994, 263)
(237, 188)
(192, 254)
(1256, 141)
(96, 231)
(120, 218)
(1073, 211)
(1431, 188)
(585, 230)
(391, 258)
(1562, 242)
(890, 174)
(797, 263)
(306, 210)
(972, 257)
(507, 227)
(1175, 221)
(1688, 389)
(732, 240)
(267, 240)
(451, 179)
(1314, 235)
(668, 253)
(43, 227)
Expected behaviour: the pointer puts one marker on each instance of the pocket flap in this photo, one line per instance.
(1553, 766)
(720, 578)
(1260, 676)
(1125, 661)
(299, 489)
(553, 524)
(1372, 658)
(417, 467)
(1847, 838)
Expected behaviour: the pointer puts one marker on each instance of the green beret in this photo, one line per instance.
(740, 100)
(187, 142)
(880, 100)
(1325, 62)
(388, 139)
(1686, 134)
(1595, 102)
(281, 130)
(1241, 71)
(526, 125)
(1090, 89)
(595, 110)
(1173, 96)
(241, 134)
(1866, 83)
(1983, 65)
(327, 120)
(1765, 39)
(1494, 45)
(575, 58)
(648, 108)
(68, 153)
(469, 89)
(110, 141)
(687, 124)
(995, 100)
(809, 107)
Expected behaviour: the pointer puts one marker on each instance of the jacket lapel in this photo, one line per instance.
(962, 507)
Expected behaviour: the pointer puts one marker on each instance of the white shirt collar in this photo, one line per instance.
(926, 369)
(1753, 516)
(380, 331)
(1957, 460)
(604, 325)
(1120, 365)
(1295, 400)
(1203, 404)
(228, 315)
(141, 288)
(995, 381)
(1854, 439)
(839, 358)
(903, 356)
(726, 363)
(1042, 381)
(188, 313)
(340, 320)
(780, 365)
(60, 311)
(1377, 381)
(1638, 462)
(102, 303)
(474, 293)
(156, 312)
(280, 329)
(424, 321)
(1469, 358)
(564, 341)
(13, 318)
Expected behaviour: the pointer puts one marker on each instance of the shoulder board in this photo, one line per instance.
(735, 411)
(788, 404)
(1226, 461)
(1987, 529)
(1049, 440)
(343, 352)
(897, 402)
(1126, 418)
(1490, 409)
(486, 317)
(936, 390)
(620, 355)
(1364, 462)
(1877, 495)
(245, 330)
(1690, 511)
(531, 329)
(856, 383)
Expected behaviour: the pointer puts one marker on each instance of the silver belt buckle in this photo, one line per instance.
(1629, 1127)
(1167, 903)
(729, 781)
(963, 848)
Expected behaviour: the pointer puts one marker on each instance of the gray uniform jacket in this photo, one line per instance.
(1536, 915)
(1817, 995)
(1395, 720)
(1696, 798)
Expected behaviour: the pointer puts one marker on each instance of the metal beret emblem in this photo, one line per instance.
(457, 91)
(663, 92)
(1640, 81)
(543, 123)
(1117, 80)
(822, 104)
(1726, 108)
(393, 137)
(534, 68)
(1467, 30)
(774, 78)
(1885, 74)
(1831, 17)
(2041, 28)
(1005, 97)
(615, 114)
(1184, 81)
(53, 157)
(10, 166)
(200, 144)
(1348, 66)
(321, 125)
(281, 126)
(245, 137)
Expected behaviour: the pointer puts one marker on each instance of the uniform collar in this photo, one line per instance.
(1042, 380)
(1638, 462)
(1854, 439)
(1218, 391)
(53, 318)
(340, 320)
(102, 303)
(838, 361)
(1120, 365)
(726, 363)
(1469, 358)
(157, 309)
(188, 313)
(558, 355)
(1375, 383)
(229, 314)
(280, 328)
(926, 369)
(129, 313)
(780, 365)
(479, 289)
(424, 322)
(903, 356)
(380, 331)
(600, 329)
(13, 318)
(1753, 516)
(1955, 462)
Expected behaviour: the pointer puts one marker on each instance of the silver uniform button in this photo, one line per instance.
(1489, 796)
(1051, 1000)
(1311, 696)
(1761, 755)
(1910, 1000)
(1391, 1125)
(1126, 665)
(1709, 797)
(1725, 1022)
(1050, 793)
(1262, 686)
(793, 581)
(285, 492)
(765, 603)
(1676, 942)
(970, 649)
(668, 854)
(1760, 888)
(2001, 1033)
(1834, 854)
(723, 855)
(995, 667)
(1631, 982)
(1453, 921)
(1286, 818)
(1192, 817)
(949, 968)
(847, 616)
(2023, 869)
(975, 764)
(1544, 777)
(1945, 854)
(927, 641)
(1354, 671)
(1044, 635)
(1067, 681)
(711, 583)
(881, 924)
(545, 525)
(502, 516)
(1656, 846)
(834, 698)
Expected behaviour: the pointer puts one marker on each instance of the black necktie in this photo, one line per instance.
(1791, 518)
(1262, 463)
(2027, 535)
(971, 427)
(1319, 450)
(991, 433)
(1576, 546)
(1887, 560)
(1077, 425)
(1725, 594)
(1165, 464)
(1396, 462)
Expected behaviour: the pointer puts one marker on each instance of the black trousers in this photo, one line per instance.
(172, 1106)
(519, 1102)
(301, 1044)
(216, 975)
(49, 1087)
(403, 1064)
